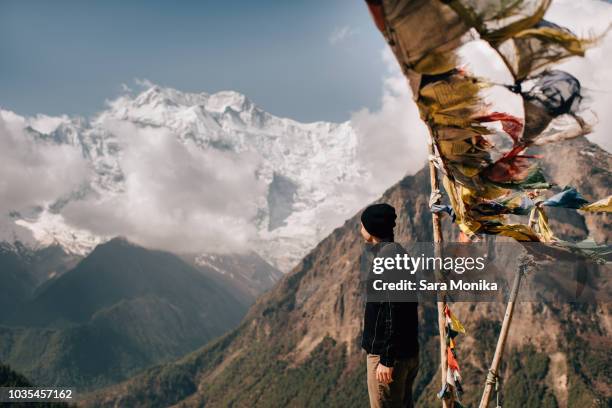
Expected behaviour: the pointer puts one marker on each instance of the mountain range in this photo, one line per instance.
(298, 345)
(69, 293)
(291, 168)
(73, 292)
(120, 309)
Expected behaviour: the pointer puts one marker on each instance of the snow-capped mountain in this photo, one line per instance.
(300, 166)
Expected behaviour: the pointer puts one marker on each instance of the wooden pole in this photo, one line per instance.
(503, 334)
(501, 341)
(437, 239)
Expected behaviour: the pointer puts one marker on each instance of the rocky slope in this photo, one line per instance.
(298, 345)
(248, 275)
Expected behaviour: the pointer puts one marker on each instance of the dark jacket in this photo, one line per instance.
(390, 329)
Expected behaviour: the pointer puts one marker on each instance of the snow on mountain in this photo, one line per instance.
(49, 229)
(301, 166)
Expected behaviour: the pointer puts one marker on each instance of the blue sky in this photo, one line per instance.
(308, 60)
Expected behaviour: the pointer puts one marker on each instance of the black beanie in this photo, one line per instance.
(379, 220)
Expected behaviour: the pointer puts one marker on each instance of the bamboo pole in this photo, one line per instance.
(503, 334)
(437, 239)
(501, 341)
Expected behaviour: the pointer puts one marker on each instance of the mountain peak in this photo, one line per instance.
(221, 101)
(162, 106)
(214, 126)
(157, 95)
(118, 241)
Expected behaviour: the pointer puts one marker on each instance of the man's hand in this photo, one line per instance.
(384, 374)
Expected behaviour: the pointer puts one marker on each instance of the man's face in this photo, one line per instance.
(366, 235)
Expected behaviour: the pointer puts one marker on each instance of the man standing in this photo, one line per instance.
(390, 329)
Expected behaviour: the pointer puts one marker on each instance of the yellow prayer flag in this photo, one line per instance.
(603, 205)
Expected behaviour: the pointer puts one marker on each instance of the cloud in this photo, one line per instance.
(176, 196)
(479, 58)
(47, 124)
(340, 34)
(593, 71)
(35, 172)
(392, 141)
(143, 82)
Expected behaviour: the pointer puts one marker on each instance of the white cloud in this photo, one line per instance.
(177, 196)
(594, 70)
(340, 34)
(125, 88)
(143, 82)
(393, 139)
(479, 58)
(47, 124)
(35, 172)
